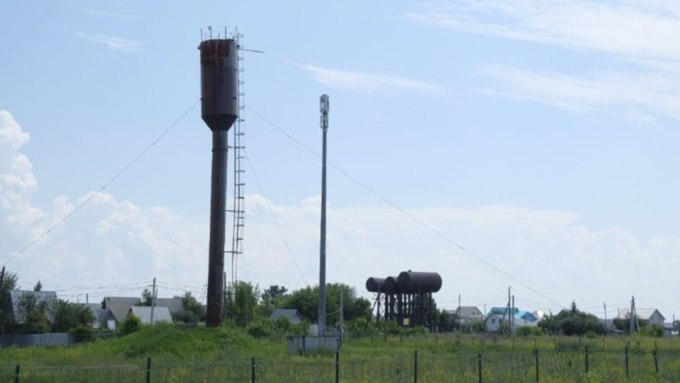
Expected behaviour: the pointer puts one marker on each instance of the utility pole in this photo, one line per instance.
(512, 317)
(321, 320)
(605, 315)
(2, 277)
(153, 299)
(342, 309)
(632, 317)
(458, 312)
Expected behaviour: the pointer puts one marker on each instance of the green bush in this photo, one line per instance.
(283, 325)
(655, 331)
(529, 331)
(83, 334)
(259, 329)
(130, 324)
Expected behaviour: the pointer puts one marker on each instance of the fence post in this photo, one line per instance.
(17, 374)
(627, 362)
(337, 362)
(148, 369)
(587, 361)
(252, 370)
(415, 366)
(656, 362)
(536, 354)
(479, 367)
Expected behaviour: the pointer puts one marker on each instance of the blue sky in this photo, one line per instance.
(540, 136)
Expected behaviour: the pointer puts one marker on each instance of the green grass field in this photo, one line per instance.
(226, 355)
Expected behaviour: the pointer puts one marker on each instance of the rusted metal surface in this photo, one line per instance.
(375, 285)
(419, 282)
(219, 83)
(219, 110)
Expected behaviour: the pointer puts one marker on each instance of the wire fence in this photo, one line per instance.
(507, 367)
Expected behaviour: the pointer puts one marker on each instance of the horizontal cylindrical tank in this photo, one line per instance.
(419, 282)
(219, 83)
(391, 285)
(375, 285)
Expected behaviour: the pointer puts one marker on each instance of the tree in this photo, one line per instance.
(147, 298)
(241, 303)
(38, 286)
(8, 282)
(130, 325)
(306, 301)
(34, 314)
(68, 316)
(572, 322)
(193, 311)
(273, 293)
(189, 303)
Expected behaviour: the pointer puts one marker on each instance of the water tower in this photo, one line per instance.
(219, 110)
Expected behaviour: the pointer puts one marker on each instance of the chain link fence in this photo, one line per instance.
(536, 366)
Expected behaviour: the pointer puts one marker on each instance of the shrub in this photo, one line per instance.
(130, 324)
(283, 325)
(529, 331)
(83, 334)
(655, 331)
(259, 329)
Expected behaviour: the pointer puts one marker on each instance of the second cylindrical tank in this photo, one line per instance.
(419, 282)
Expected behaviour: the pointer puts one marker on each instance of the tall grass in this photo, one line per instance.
(224, 355)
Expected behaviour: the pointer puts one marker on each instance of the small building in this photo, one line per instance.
(94, 309)
(118, 308)
(174, 305)
(293, 315)
(14, 312)
(496, 317)
(466, 314)
(160, 314)
(525, 318)
(499, 315)
(652, 316)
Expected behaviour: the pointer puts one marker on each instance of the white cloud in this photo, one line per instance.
(545, 250)
(640, 96)
(17, 182)
(114, 247)
(117, 44)
(644, 34)
(106, 14)
(372, 82)
(626, 28)
(105, 244)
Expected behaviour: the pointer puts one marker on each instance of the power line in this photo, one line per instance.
(409, 215)
(276, 221)
(101, 188)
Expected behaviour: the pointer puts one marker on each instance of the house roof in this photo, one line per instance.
(93, 307)
(465, 312)
(642, 313)
(160, 314)
(526, 315)
(174, 305)
(120, 306)
(501, 311)
(293, 315)
(15, 297)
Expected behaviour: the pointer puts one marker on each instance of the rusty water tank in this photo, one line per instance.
(219, 83)
(391, 285)
(375, 285)
(419, 282)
